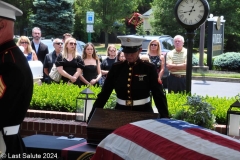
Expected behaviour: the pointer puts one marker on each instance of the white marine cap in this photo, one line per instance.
(131, 43)
(8, 11)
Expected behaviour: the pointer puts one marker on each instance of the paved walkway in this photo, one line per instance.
(214, 88)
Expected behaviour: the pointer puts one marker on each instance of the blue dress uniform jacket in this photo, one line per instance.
(16, 88)
(133, 82)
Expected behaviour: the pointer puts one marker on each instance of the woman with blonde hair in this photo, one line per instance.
(69, 63)
(155, 56)
(29, 53)
(91, 73)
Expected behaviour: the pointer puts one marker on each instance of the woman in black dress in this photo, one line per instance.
(69, 63)
(91, 73)
(108, 62)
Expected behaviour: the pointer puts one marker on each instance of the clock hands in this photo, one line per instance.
(185, 11)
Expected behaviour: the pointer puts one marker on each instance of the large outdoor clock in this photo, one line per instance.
(191, 13)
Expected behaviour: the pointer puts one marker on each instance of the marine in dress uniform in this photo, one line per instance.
(133, 80)
(16, 85)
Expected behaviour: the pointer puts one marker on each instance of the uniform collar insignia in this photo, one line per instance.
(2, 87)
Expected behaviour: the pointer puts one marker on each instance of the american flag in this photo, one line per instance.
(158, 139)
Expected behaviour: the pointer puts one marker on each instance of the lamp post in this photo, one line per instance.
(84, 103)
(233, 119)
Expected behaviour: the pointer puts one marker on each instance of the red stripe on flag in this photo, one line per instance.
(214, 138)
(64, 152)
(103, 154)
(157, 144)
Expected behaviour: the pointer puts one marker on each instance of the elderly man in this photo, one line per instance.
(51, 58)
(176, 63)
(16, 84)
(133, 80)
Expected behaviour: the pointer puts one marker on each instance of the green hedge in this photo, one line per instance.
(229, 61)
(62, 97)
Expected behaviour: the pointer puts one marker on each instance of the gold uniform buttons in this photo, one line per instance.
(128, 85)
(128, 91)
(129, 79)
(6, 52)
(130, 68)
(130, 74)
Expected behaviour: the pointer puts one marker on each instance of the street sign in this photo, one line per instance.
(90, 17)
(89, 28)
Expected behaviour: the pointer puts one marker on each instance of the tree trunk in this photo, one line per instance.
(106, 39)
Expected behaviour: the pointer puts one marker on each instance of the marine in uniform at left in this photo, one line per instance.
(16, 84)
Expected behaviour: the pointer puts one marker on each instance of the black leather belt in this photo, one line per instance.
(178, 75)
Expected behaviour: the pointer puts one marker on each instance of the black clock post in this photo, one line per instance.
(190, 41)
(191, 14)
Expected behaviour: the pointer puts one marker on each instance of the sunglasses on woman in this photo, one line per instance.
(154, 45)
(71, 43)
(24, 42)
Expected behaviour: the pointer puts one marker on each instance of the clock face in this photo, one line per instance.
(190, 12)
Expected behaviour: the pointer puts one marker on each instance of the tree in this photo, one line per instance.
(80, 9)
(108, 12)
(54, 17)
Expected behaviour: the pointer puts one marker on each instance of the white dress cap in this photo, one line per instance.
(9, 11)
(131, 40)
(131, 43)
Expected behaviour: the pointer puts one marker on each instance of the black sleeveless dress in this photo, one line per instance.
(90, 72)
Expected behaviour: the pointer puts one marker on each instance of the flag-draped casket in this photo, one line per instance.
(158, 139)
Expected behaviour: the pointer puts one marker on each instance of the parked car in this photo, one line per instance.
(49, 43)
(166, 43)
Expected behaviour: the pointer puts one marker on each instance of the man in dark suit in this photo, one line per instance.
(16, 85)
(40, 48)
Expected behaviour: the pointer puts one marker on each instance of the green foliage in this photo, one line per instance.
(238, 97)
(197, 112)
(228, 61)
(195, 60)
(54, 17)
(62, 97)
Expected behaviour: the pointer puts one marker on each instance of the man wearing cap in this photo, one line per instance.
(16, 84)
(133, 80)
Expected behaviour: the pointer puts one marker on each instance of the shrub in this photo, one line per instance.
(195, 61)
(229, 61)
(197, 111)
(62, 97)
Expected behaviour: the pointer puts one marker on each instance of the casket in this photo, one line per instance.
(105, 121)
(158, 139)
(37, 69)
